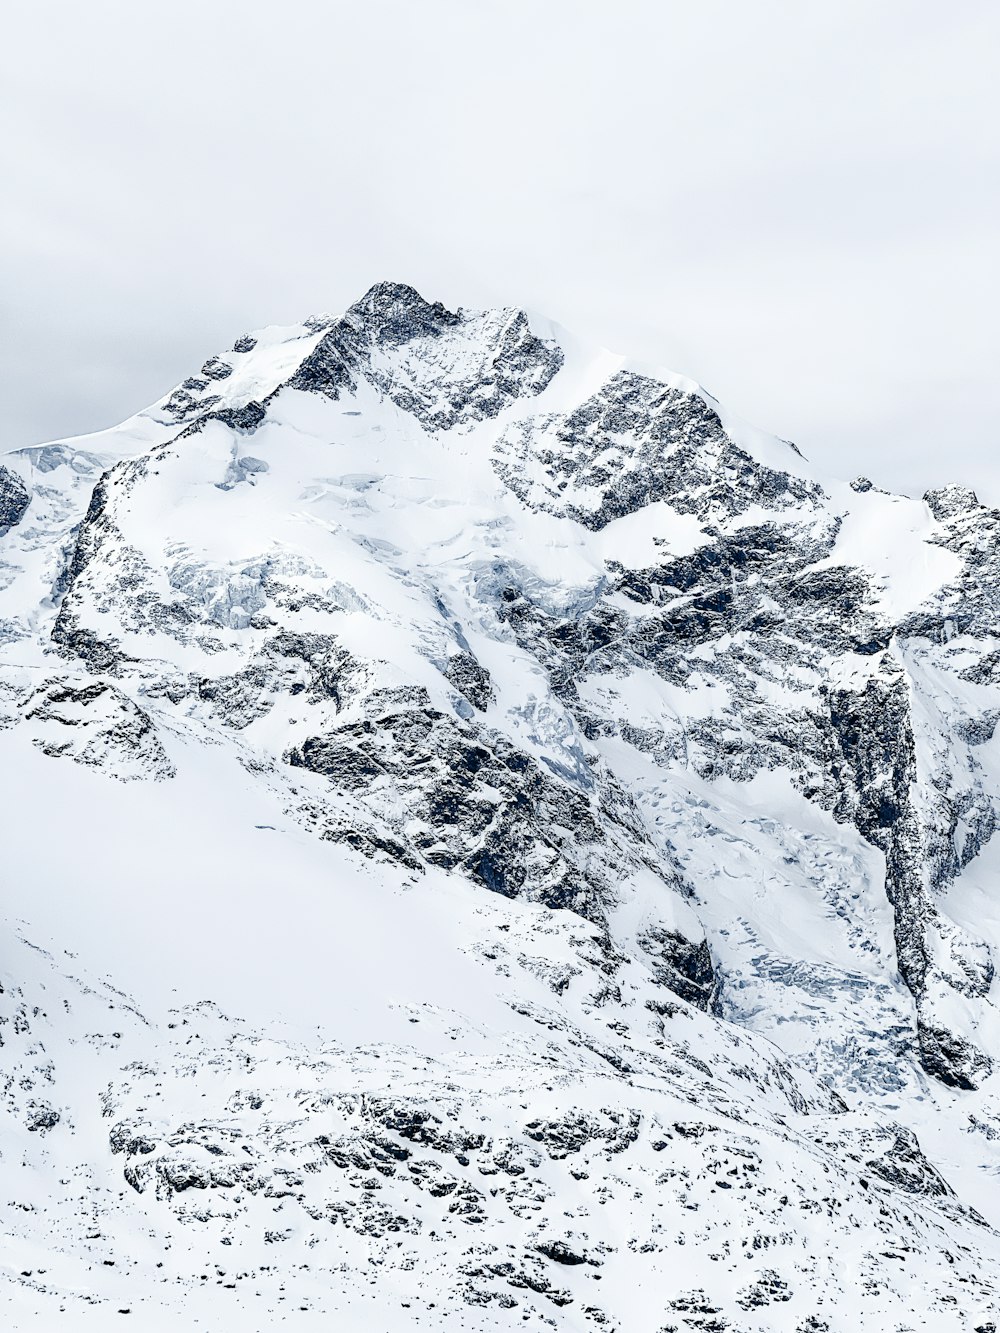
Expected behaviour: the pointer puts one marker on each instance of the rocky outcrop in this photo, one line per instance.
(471, 801)
(635, 442)
(95, 724)
(14, 499)
(445, 368)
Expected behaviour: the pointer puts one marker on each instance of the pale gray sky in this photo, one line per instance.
(794, 202)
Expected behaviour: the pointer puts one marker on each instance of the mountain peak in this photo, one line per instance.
(385, 303)
(474, 809)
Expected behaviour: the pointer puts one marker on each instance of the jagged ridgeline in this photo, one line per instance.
(490, 835)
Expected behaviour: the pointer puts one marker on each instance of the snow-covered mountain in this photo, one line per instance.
(491, 840)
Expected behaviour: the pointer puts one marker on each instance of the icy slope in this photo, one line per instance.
(490, 837)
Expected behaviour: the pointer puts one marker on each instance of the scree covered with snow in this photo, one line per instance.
(489, 840)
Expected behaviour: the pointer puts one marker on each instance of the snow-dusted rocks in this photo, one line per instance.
(573, 897)
(444, 368)
(93, 723)
(949, 501)
(634, 442)
(14, 499)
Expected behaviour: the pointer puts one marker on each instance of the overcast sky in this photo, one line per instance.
(796, 203)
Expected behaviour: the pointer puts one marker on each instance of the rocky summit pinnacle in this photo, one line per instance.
(489, 835)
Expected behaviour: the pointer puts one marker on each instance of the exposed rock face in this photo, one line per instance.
(636, 442)
(472, 801)
(455, 368)
(471, 679)
(951, 501)
(630, 803)
(14, 500)
(97, 725)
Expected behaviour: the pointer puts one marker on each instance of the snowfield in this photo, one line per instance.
(490, 840)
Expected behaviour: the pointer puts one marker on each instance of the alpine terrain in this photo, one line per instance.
(491, 841)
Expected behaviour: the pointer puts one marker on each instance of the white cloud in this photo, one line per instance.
(793, 203)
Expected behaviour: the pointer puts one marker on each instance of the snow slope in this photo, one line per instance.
(491, 839)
